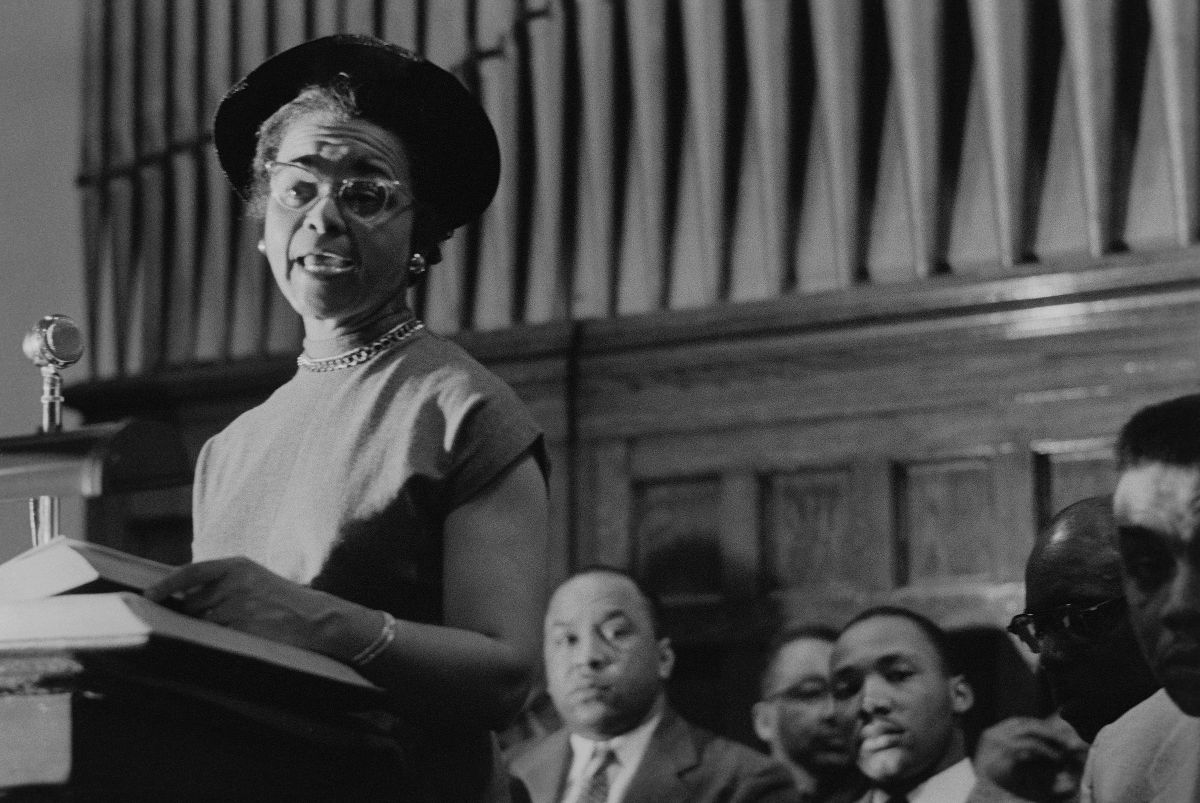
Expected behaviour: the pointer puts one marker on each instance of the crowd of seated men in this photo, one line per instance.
(875, 712)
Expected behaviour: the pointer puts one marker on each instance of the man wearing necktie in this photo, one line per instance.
(606, 669)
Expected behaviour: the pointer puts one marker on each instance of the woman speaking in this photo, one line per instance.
(387, 505)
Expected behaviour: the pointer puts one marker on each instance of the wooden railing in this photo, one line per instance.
(661, 154)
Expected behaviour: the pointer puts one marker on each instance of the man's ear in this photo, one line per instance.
(764, 715)
(666, 658)
(962, 696)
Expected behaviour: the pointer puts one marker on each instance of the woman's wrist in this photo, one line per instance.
(382, 641)
(345, 630)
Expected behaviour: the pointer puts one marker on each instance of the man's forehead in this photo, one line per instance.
(801, 659)
(1065, 573)
(595, 597)
(804, 655)
(881, 638)
(1159, 497)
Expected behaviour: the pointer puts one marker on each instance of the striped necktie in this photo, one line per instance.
(597, 787)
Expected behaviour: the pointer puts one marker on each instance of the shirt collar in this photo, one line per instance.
(629, 746)
(953, 783)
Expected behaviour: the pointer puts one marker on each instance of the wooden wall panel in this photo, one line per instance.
(808, 526)
(740, 522)
(676, 537)
(947, 518)
(1070, 470)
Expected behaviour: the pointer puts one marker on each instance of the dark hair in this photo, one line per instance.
(653, 603)
(804, 632)
(337, 98)
(1168, 432)
(951, 662)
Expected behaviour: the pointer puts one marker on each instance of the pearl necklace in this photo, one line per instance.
(393, 337)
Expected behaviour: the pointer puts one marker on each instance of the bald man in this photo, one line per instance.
(1090, 655)
(1076, 623)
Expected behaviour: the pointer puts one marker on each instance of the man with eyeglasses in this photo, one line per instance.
(796, 717)
(1075, 623)
(1152, 753)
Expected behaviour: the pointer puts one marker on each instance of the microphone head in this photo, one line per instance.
(54, 340)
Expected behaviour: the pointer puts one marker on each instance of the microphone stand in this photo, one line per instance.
(53, 343)
(44, 510)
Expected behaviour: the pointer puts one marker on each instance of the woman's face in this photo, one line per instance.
(335, 269)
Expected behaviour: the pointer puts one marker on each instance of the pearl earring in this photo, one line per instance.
(262, 247)
(416, 268)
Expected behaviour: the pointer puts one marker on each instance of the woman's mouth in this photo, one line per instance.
(323, 263)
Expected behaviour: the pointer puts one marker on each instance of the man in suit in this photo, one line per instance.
(807, 733)
(606, 667)
(896, 671)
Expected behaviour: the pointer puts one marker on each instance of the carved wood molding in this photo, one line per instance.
(540, 360)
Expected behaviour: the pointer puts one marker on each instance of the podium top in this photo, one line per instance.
(95, 460)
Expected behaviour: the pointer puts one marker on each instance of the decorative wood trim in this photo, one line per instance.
(1127, 281)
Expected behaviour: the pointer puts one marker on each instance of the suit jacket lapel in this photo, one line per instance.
(547, 775)
(669, 754)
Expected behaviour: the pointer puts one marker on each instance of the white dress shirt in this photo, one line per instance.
(629, 748)
(951, 785)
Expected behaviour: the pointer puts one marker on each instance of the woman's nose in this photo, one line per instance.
(324, 216)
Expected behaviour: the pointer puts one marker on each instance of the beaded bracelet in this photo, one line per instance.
(381, 642)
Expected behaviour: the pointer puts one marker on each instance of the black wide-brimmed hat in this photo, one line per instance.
(450, 142)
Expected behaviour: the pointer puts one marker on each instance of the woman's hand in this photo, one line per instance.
(244, 595)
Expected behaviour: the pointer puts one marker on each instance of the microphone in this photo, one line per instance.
(54, 342)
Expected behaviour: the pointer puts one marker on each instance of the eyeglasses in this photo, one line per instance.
(1083, 623)
(807, 693)
(369, 199)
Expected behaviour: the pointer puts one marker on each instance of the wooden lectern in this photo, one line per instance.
(165, 720)
(167, 724)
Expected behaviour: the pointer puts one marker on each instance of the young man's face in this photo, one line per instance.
(887, 671)
(1157, 508)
